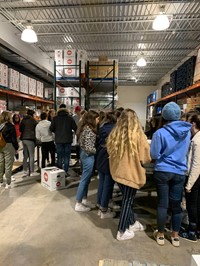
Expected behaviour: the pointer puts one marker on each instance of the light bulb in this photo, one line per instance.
(141, 62)
(29, 35)
(161, 22)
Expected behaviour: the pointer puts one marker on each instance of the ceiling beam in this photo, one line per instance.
(100, 5)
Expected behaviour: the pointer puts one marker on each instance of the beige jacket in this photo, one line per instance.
(193, 161)
(130, 170)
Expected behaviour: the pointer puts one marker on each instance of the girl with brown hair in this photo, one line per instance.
(87, 140)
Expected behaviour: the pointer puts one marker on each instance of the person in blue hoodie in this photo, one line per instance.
(169, 148)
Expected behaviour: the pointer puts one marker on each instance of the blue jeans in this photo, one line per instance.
(169, 189)
(87, 170)
(105, 189)
(63, 155)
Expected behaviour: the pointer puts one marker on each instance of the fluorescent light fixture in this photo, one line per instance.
(29, 35)
(161, 22)
(141, 62)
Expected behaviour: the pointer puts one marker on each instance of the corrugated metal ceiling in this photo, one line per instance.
(121, 29)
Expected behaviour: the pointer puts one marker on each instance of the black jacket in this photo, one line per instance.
(27, 128)
(9, 135)
(102, 161)
(62, 125)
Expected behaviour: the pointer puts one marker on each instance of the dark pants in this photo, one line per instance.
(105, 189)
(169, 190)
(193, 206)
(63, 154)
(48, 147)
(127, 215)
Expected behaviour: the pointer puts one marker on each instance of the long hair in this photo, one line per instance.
(124, 135)
(110, 117)
(5, 116)
(14, 119)
(89, 120)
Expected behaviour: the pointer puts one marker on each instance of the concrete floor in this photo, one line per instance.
(41, 228)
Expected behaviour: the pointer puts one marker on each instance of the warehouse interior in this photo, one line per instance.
(40, 227)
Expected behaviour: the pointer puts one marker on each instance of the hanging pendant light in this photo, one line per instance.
(141, 62)
(29, 35)
(161, 22)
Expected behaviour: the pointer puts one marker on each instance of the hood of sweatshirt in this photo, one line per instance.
(178, 129)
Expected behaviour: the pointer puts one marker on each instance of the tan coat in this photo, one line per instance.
(130, 170)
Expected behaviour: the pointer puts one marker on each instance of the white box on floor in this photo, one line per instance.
(195, 261)
(53, 178)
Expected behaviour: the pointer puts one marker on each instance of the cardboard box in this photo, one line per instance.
(23, 83)
(32, 85)
(59, 57)
(3, 75)
(70, 53)
(13, 79)
(53, 178)
(40, 89)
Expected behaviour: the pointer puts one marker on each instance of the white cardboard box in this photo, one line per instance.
(53, 178)
(195, 261)
(70, 53)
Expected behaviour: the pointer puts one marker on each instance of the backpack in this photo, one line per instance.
(2, 140)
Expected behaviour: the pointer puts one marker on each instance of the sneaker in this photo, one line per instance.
(113, 205)
(79, 207)
(25, 173)
(7, 186)
(13, 178)
(188, 236)
(175, 241)
(34, 174)
(1, 184)
(89, 204)
(159, 239)
(116, 187)
(125, 235)
(99, 213)
(137, 226)
(107, 214)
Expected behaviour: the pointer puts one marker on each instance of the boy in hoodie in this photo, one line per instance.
(44, 135)
(169, 148)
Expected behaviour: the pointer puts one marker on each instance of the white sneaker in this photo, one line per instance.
(25, 173)
(34, 174)
(79, 207)
(7, 186)
(125, 236)
(107, 214)
(1, 184)
(13, 178)
(116, 187)
(89, 204)
(137, 226)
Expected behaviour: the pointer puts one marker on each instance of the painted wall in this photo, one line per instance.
(135, 97)
(11, 38)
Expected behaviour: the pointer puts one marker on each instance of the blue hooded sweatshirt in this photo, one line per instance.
(169, 147)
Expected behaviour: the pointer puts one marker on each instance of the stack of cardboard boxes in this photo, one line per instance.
(188, 104)
(40, 89)
(23, 83)
(3, 75)
(67, 62)
(13, 79)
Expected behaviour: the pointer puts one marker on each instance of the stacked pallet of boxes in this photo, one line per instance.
(3, 75)
(32, 86)
(40, 89)
(69, 62)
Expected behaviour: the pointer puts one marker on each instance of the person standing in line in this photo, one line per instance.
(45, 136)
(77, 117)
(169, 148)
(51, 114)
(27, 129)
(87, 140)
(128, 151)
(16, 121)
(7, 153)
(63, 126)
(106, 183)
(192, 188)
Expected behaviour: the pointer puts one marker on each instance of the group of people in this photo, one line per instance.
(115, 144)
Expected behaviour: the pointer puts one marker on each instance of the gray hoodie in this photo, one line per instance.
(43, 132)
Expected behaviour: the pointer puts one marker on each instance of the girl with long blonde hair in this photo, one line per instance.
(128, 151)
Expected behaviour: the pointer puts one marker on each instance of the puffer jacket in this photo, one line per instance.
(43, 132)
(27, 128)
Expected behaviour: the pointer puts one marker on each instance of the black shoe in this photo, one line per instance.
(188, 236)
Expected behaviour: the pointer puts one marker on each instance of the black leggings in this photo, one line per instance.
(193, 205)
